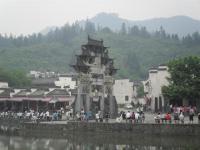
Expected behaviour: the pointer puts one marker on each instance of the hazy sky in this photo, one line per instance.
(27, 16)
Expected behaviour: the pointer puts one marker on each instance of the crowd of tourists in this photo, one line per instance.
(78, 116)
(177, 115)
(131, 117)
(86, 116)
(33, 115)
(99, 116)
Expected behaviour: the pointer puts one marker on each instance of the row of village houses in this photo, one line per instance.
(58, 91)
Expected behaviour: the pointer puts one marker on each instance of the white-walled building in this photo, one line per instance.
(37, 74)
(153, 85)
(66, 81)
(123, 90)
(3, 84)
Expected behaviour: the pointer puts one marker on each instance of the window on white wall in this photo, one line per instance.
(126, 98)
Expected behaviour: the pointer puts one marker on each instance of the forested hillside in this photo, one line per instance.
(134, 49)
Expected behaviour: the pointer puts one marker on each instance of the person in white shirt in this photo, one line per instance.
(97, 117)
(47, 115)
(82, 114)
(28, 114)
(41, 115)
(181, 117)
(137, 117)
(157, 118)
(67, 115)
(78, 116)
(128, 116)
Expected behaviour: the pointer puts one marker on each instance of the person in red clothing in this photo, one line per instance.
(168, 117)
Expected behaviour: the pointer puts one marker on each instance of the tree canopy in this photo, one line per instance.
(184, 80)
(15, 78)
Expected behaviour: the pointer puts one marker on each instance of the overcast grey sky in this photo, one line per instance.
(28, 16)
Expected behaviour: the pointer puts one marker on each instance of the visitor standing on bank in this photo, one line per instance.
(181, 117)
(191, 115)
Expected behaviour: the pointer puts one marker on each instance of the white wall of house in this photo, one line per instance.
(163, 74)
(38, 74)
(34, 74)
(123, 91)
(65, 81)
(141, 101)
(153, 86)
(135, 88)
(3, 85)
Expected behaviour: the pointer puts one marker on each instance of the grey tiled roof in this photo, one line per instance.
(22, 93)
(38, 93)
(5, 93)
(58, 92)
(44, 82)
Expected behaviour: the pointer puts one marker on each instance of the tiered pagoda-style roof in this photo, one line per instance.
(90, 51)
(93, 42)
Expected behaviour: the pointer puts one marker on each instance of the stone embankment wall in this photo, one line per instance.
(110, 128)
(52, 129)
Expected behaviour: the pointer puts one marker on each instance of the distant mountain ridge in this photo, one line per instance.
(181, 25)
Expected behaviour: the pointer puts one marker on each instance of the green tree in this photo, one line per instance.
(89, 27)
(184, 80)
(140, 91)
(123, 30)
(144, 33)
(15, 78)
(135, 31)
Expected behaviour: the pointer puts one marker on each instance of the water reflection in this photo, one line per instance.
(20, 143)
